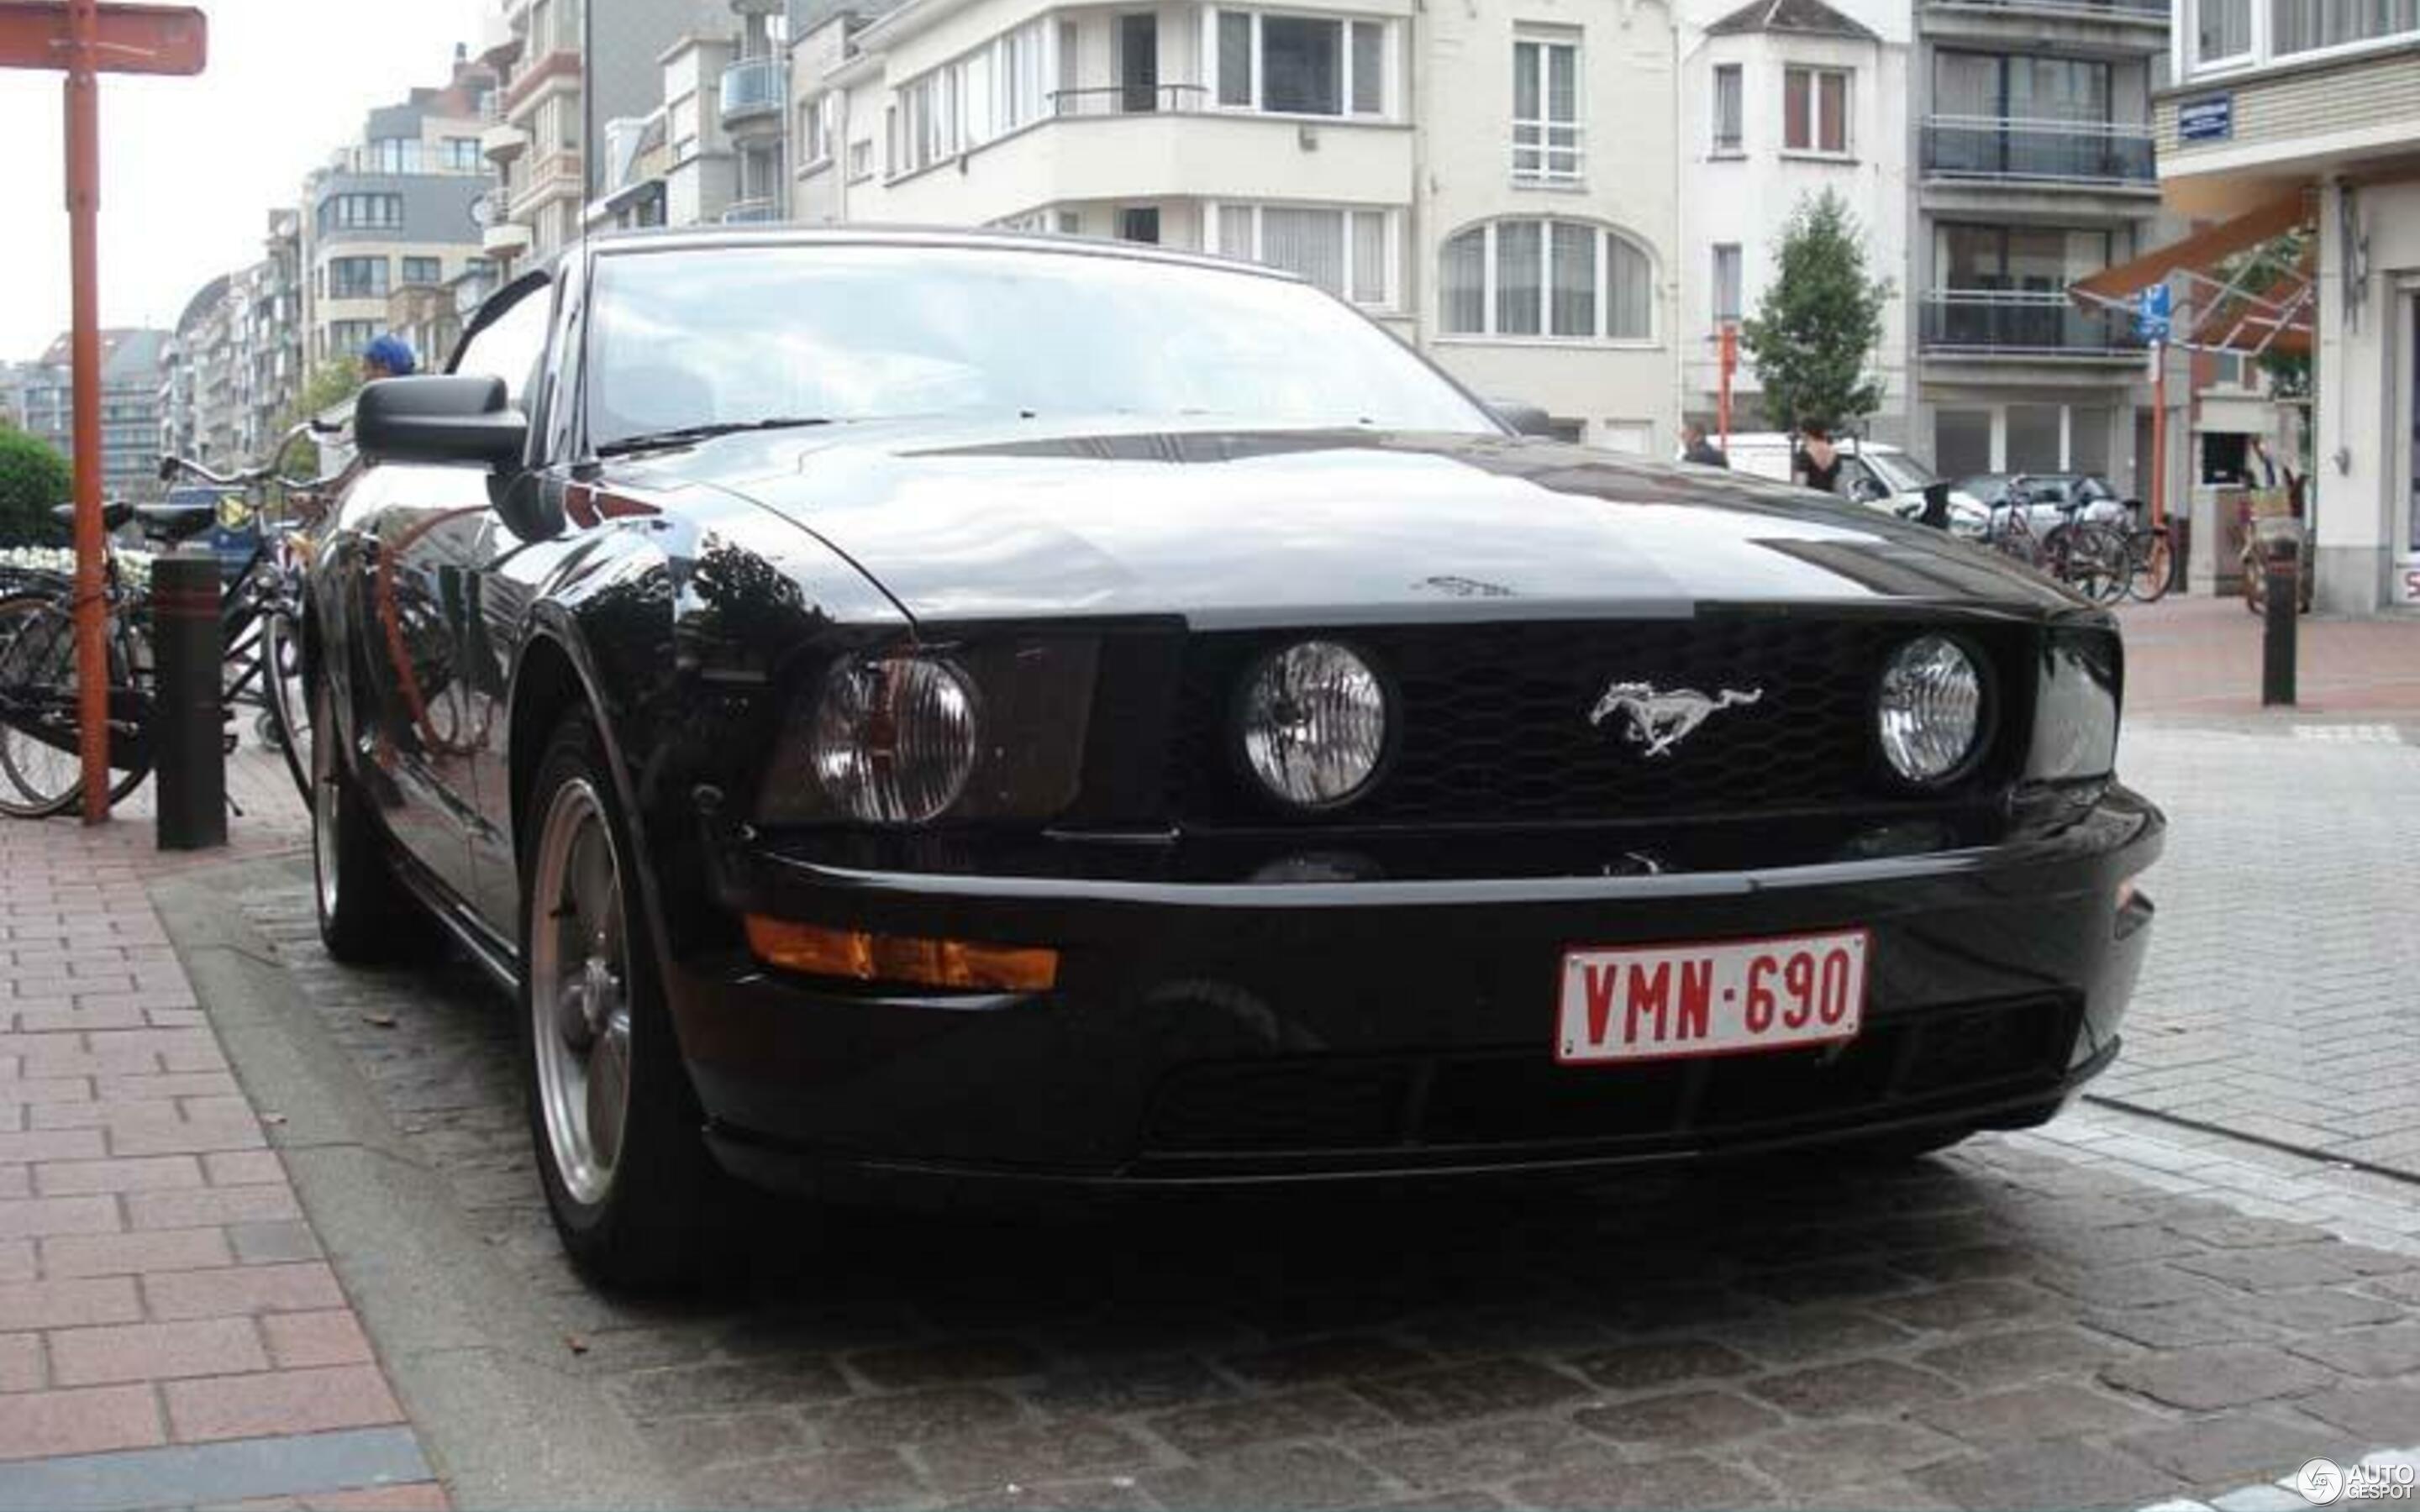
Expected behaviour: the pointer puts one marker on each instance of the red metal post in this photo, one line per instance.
(1729, 349)
(2159, 433)
(84, 205)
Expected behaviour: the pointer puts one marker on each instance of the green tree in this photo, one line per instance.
(32, 478)
(331, 385)
(1819, 321)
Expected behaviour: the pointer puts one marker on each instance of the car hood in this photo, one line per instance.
(1237, 526)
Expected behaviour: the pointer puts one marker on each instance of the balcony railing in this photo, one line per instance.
(2006, 322)
(2054, 152)
(1130, 99)
(752, 213)
(754, 87)
(2087, 9)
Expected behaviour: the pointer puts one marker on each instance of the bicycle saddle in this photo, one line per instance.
(178, 522)
(114, 514)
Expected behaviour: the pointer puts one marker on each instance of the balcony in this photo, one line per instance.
(500, 144)
(752, 212)
(2084, 153)
(756, 96)
(2132, 25)
(2004, 323)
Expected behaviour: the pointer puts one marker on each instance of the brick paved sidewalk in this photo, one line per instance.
(2202, 657)
(169, 1334)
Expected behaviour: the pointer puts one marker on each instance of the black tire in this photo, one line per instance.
(366, 916)
(38, 664)
(646, 1218)
(288, 698)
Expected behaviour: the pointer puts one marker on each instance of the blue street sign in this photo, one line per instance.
(2208, 119)
(2151, 313)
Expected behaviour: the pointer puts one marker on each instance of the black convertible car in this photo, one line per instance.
(923, 710)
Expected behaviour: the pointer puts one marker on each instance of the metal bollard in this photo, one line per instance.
(2278, 626)
(188, 706)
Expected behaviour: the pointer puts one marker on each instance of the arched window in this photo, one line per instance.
(1560, 280)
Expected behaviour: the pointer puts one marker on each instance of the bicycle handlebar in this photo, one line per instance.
(171, 465)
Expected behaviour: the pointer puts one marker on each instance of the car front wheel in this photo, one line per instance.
(619, 1133)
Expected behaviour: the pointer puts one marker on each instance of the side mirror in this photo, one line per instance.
(1527, 419)
(439, 419)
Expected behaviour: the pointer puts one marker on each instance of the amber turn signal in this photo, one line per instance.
(821, 951)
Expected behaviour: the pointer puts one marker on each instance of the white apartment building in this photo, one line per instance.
(1498, 183)
(556, 83)
(1781, 100)
(2276, 98)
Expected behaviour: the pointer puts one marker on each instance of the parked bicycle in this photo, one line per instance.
(2151, 561)
(259, 624)
(2089, 555)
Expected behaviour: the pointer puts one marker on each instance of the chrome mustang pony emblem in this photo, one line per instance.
(1656, 720)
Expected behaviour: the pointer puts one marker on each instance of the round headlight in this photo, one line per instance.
(1314, 724)
(893, 739)
(1930, 711)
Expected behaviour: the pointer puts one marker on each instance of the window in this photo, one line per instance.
(963, 104)
(1727, 282)
(1815, 110)
(1139, 222)
(462, 154)
(510, 346)
(2305, 26)
(1728, 104)
(1343, 251)
(860, 159)
(1990, 87)
(1545, 112)
(1559, 279)
(351, 212)
(423, 271)
(346, 338)
(815, 131)
(1071, 222)
(357, 278)
(2222, 30)
(1298, 65)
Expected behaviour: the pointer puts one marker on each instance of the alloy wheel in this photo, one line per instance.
(579, 992)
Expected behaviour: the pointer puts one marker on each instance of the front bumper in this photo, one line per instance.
(1243, 1033)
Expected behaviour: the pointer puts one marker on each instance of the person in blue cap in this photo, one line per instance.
(387, 356)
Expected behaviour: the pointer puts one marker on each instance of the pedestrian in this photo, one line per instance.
(387, 356)
(1817, 463)
(1696, 448)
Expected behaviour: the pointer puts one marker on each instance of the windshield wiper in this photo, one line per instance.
(648, 440)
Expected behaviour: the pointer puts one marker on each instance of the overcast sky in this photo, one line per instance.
(190, 167)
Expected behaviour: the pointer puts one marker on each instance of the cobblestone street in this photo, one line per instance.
(2203, 1275)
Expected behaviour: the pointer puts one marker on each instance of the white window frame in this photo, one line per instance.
(1544, 337)
(2264, 38)
(860, 160)
(1739, 284)
(1816, 72)
(2256, 23)
(1389, 92)
(1534, 138)
(1386, 298)
(819, 126)
(1715, 146)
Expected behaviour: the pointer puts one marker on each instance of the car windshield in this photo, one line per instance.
(1904, 473)
(684, 338)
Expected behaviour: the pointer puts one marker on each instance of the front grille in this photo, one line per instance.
(1902, 1065)
(1493, 720)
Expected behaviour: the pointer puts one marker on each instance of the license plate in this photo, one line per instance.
(1660, 1002)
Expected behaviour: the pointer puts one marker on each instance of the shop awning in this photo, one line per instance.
(2200, 253)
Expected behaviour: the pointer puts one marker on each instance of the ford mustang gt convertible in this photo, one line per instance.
(921, 713)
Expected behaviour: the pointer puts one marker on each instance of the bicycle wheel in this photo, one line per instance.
(290, 702)
(41, 767)
(2097, 563)
(2152, 562)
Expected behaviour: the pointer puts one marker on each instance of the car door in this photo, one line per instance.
(426, 652)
